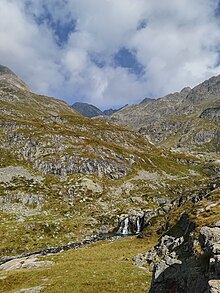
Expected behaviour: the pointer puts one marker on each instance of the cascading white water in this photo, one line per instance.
(138, 225)
(125, 229)
(131, 225)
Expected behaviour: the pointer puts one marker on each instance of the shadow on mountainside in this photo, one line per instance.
(180, 269)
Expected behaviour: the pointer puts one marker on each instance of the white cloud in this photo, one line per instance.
(26, 48)
(178, 47)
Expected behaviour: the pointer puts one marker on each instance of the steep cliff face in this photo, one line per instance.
(186, 120)
(186, 259)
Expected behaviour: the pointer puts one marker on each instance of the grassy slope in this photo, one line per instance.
(107, 267)
(102, 267)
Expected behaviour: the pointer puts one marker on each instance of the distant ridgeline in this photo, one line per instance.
(90, 111)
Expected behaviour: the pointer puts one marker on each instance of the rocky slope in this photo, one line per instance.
(188, 120)
(187, 259)
(6, 75)
(64, 177)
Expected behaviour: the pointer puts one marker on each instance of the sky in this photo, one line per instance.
(109, 52)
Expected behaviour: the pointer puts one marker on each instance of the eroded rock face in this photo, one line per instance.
(178, 268)
(211, 114)
(210, 242)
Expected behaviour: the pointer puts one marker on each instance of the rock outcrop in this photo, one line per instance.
(24, 263)
(179, 266)
(210, 243)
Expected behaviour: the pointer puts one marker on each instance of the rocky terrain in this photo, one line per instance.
(186, 120)
(67, 181)
(186, 259)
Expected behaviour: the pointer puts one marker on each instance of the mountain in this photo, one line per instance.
(187, 120)
(87, 110)
(68, 182)
(91, 111)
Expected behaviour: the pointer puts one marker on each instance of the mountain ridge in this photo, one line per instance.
(179, 119)
(91, 111)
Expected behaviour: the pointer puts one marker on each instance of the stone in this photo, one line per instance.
(209, 237)
(24, 263)
(8, 173)
(37, 289)
(217, 224)
(90, 185)
(214, 286)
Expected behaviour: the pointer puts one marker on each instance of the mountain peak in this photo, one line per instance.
(5, 70)
(7, 75)
(87, 110)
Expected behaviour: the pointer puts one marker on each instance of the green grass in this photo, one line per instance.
(103, 267)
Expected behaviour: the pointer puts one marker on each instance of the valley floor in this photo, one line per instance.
(102, 267)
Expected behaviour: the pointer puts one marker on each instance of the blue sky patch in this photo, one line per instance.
(142, 24)
(217, 10)
(61, 30)
(127, 59)
(97, 60)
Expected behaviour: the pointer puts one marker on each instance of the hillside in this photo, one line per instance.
(65, 178)
(187, 120)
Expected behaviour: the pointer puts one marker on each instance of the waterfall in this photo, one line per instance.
(126, 226)
(138, 225)
(130, 224)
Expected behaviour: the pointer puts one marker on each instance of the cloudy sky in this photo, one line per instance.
(110, 52)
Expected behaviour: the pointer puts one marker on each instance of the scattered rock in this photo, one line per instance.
(7, 174)
(31, 290)
(24, 263)
(90, 185)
